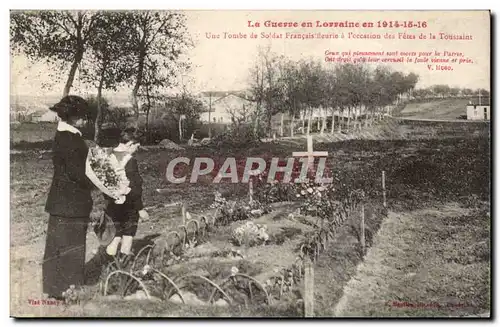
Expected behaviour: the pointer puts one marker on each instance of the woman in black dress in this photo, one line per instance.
(69, 201)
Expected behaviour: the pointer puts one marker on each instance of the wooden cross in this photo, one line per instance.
(310, 154)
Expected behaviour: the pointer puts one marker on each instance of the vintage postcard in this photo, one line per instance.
(250, 163)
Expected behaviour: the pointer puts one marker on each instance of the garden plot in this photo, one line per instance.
(245, 252)
(278, 252)
(219, 268)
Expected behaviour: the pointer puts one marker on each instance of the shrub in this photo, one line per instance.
(116, 117)
(230, 211)
(276, 192)
(240, 136)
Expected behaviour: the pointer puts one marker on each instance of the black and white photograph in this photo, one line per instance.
(250, 164)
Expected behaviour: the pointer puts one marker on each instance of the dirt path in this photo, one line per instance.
(430, 262)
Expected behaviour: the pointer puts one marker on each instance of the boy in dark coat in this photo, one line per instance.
(126, 216)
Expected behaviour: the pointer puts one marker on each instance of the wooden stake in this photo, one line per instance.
(180, 129)
(333, 122)
(309, 288)
(183, 211)
(250, 190)
(383, 188)
(282, 128)
(363, 228)
(309, 121)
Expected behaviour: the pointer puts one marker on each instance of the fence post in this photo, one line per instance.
(183, 211)
(250, 190)
(383, 188)
(363, 228)
(309, 288)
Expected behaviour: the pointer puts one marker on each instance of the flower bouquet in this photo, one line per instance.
(250, 234)
(107, 173)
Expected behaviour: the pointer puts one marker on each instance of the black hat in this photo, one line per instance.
(71, 107)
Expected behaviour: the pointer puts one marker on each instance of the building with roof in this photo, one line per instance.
(479, 109)
(223, 107)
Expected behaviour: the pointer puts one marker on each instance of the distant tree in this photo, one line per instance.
(484, 93)
(188, 105)
(157, 41)
(454, 91)
(108, 63)
(239, 115)
(331, 94)
(383, 88)
(116, 116)
(154, 86)
(290, 91)
(58, 37)
(422, 93)
(467, 92)
(256, 77)
(410, 81)
(265, 86)
(441, 90)
(93, 102)
(273, 96)
(310, 89)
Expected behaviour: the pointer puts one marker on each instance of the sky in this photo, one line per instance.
(223, 63)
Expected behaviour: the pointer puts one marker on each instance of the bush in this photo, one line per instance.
(230, 211)
(276, 192)
(167, 127)
(216, 129)
(240, 136)
(116, 117)
(162, 128)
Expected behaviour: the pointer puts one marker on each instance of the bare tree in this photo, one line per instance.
(158, 39)
(107, 65)
(58, 37)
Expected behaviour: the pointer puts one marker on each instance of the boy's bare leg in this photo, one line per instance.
(126, 244)
(113, 246)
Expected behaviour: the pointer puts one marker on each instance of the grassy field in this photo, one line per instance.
(436, 109)
(449, 167)
(31, 135)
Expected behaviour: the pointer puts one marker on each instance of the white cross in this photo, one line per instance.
(310, 154)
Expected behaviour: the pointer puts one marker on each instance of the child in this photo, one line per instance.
(126, 216)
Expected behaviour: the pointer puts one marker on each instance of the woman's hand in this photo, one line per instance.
(143, 214)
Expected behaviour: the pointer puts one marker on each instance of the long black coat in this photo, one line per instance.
(70, 192)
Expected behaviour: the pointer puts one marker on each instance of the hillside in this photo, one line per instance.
(33, 103)
(436, 109)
